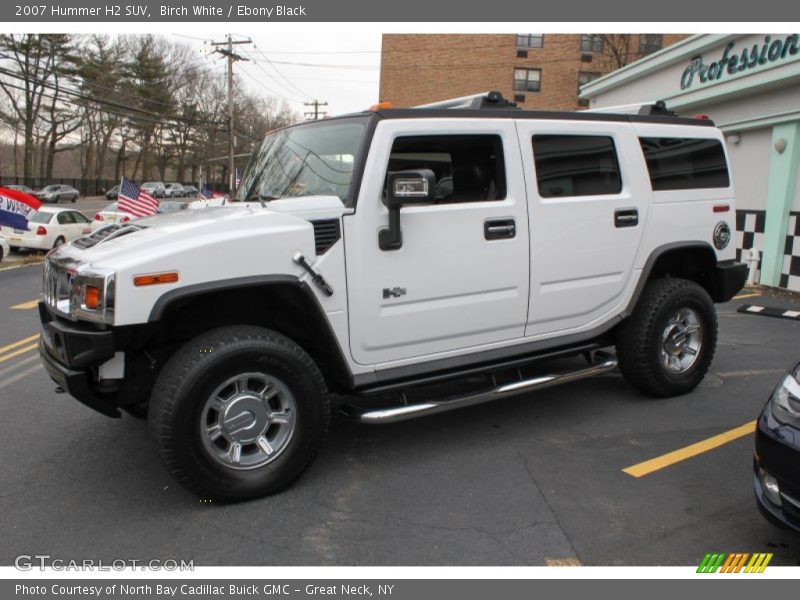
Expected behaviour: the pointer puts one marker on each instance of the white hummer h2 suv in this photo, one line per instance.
(374, 256)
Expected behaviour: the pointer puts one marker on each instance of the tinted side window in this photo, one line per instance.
(468, 168)
(66, 218)
(576, 165)
(685, 163)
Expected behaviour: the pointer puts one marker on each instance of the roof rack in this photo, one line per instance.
(482, 100)
(657, 108)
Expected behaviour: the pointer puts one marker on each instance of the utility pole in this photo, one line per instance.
(315, 114)
(232, 57)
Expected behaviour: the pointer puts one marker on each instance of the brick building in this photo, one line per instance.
(541, 71)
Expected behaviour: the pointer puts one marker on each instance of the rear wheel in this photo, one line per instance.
(666, 346)
(238, 413)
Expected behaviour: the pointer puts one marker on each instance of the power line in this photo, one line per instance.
(270, 90)
(278, 71)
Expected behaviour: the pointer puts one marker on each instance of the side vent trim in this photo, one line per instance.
(326, 233)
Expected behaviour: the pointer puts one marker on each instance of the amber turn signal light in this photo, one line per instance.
(91, 297)
(155, 278)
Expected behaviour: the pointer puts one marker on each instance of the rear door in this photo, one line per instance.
(589, 205)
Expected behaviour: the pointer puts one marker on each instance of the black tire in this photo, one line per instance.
(190, 378)
(1, 254)
(59, 240)
(641, 350)
(74, 199)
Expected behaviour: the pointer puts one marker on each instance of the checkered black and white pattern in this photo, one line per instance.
(790, 273)
(749, 232)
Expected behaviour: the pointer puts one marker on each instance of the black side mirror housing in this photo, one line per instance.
(404, 187)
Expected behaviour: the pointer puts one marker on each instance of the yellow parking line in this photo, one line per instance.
(563, 562)
(26, 305)
(22, 350)
(741, 296)
(19, 343)
(660, 462)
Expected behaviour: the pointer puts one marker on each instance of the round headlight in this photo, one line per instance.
(722, 235)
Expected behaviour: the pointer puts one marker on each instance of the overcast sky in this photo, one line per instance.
(341, 69)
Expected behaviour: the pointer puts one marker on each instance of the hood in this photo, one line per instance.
(180, 232)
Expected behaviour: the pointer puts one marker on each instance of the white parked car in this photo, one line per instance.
(401, 249)
(110, 214)
(173, 190)
(4, 248)
(49, 228)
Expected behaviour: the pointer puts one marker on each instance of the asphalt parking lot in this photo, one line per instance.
(532, 480)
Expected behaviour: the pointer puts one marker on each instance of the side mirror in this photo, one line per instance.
(404, 187)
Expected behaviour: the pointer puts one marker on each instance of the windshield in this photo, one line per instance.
(314, 159)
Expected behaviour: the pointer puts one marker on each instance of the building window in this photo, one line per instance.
(650, 42)
(585, 77)
(576, 165)
(527, 80)
(591, 43)
(530, 40)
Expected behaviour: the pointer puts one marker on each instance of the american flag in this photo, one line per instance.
(136, 201)
(208, 193)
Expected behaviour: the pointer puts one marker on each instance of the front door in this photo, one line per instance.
(460, 278)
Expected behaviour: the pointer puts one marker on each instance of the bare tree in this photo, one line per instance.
(29, 62)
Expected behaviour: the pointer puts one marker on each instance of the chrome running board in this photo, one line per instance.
(603, 363)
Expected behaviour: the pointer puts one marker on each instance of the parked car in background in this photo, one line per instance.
(113, 193)
(189, 191)
(155, 188)
(53, 194)
(776, 463)
(48, 228)
(170, 206)
(110, 214)
(174, 190)
(4, 248)
(20, 188)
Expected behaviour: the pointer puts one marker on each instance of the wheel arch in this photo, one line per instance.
(695, 261)
(282, 303)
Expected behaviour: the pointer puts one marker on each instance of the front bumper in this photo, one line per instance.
(729, 279)
(777, 451)
(71, 355)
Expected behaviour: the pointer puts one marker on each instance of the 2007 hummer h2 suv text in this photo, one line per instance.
(375, 254)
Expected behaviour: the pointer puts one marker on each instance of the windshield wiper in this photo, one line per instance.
(262, 198)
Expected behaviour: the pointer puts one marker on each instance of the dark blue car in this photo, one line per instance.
(776, 462)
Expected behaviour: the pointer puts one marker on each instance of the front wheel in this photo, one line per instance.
(666, 346)
(238, 413)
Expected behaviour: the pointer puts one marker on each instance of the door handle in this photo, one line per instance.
(626, 217)
(500, 229)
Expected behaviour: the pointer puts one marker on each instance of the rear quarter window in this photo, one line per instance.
(685, 163)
